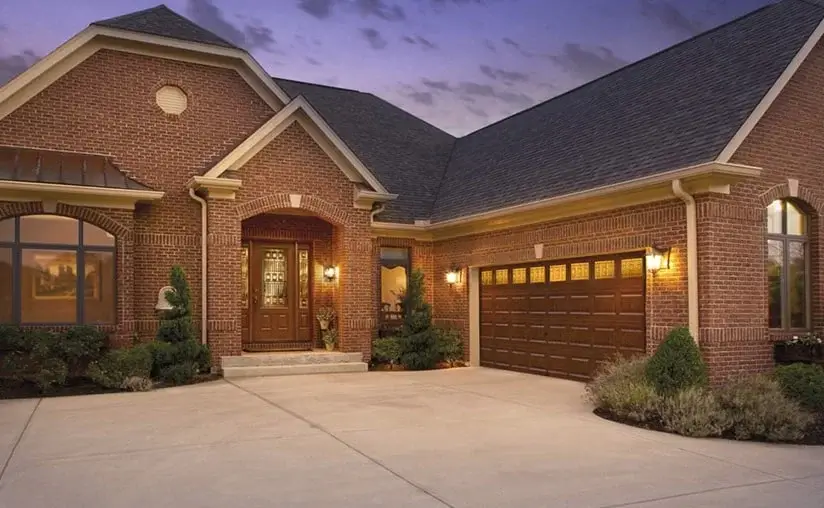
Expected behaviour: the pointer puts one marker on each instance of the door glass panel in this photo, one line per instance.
(797, 271)
(244, 277)
(273, 277)
(303, 272)
(775, 264)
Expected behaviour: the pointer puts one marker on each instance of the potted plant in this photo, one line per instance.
(330, 339)
(325, 317)
(800, 348)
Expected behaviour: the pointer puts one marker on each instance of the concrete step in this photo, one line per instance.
(294, 370)
(290, 358)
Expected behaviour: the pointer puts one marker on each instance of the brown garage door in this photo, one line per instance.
(561, 318)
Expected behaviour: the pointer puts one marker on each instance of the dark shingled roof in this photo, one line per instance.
(676, 108)
(68, 168)
(406, 154)
(161, 20)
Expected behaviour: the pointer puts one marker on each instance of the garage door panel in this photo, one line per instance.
(563, 318)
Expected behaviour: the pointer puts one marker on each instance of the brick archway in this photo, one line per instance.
(803, 194)
(90, 215)
(307, 202)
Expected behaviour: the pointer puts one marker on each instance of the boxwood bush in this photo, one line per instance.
(803, 383)
(677, 364)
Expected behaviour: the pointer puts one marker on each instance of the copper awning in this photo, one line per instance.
(66, 168)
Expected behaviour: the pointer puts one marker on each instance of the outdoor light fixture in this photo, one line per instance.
(453, 276)
(330, 273)
(658, 258)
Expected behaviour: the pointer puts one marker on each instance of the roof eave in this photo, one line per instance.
(80, 195)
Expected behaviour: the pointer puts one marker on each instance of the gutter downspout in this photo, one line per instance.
(378, 209)
(203, 252)
(692, 256)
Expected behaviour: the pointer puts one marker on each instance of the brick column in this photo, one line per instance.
(356, 289)
(223, 279)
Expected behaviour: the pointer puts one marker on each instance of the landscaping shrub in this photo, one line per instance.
(116, 367)
(803, 383)
(621, 388)
(78, 346)
(386, 350)
(178, 356)
(676, 364)
(758, 409)
(418, 340)
(52, 372)
(694, 412)
(450, 345)
(11, 338)
(137, 384)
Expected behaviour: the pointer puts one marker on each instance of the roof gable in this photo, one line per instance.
(162, 21)
(677, 108)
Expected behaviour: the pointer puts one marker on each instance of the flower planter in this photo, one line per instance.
(785, 353)
(330, 347)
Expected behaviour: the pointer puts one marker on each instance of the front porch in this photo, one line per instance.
(292, 363)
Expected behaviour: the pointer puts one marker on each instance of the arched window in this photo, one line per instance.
(788, 266)
(47, 262)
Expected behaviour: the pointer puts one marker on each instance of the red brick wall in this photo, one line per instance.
(623, 230)
(107, 105)
(787, 143)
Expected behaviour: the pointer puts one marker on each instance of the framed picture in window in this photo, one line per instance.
(54, 277)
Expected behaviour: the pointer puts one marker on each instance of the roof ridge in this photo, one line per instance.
(630, 65)
(130, 15)
(322, 85)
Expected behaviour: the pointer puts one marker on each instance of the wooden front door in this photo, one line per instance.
(278, 313)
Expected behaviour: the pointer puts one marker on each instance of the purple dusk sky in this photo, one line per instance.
(459, 64)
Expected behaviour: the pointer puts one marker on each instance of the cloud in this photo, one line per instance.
(380, 9)
(424, 98)
(12, 65)
(669, 15)
(312, 61)
(320, 9)
(250, 36)
(510, 42)
(504, 75)
(419, 40)
(441, 86)
(490, 46)
(469, 91)
(587, 64)
(477, 112)
(374, 38)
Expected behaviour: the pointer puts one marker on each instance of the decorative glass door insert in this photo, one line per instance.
(274, 278)
(303, 272)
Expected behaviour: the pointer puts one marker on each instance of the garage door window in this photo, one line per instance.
(557, 273)
(537, 275)
(604, 269)
(631, 268)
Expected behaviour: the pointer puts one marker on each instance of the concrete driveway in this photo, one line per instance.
(461, 437)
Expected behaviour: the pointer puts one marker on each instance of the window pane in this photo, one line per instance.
(48, 286)
(273, 279)
(393, 287)
(775, 263)
(502, 276)
(244, 277)
(537, 275)
(99, 291)
(798, 286)
(5, 286)
(796, 221)
(48, 229)
(486, 277)
(394, 256)
(774, 224)
(93, 235)
(631, 268)
(519, 275)
(7, 230)
(604, 269)
(557, 273)
(580, 271)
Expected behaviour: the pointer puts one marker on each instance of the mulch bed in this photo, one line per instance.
(813, 436)
(15, 389)
(380, 367)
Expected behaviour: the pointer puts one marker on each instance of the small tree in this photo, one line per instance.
(677, 364)
(178, 356)
(418, 339)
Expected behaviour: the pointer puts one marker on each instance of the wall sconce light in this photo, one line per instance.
(658, 258)
(330, 273)
(453, 276)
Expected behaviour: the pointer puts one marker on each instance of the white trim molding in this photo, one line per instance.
(76, 194)
(73, 52)
(711, 177)
(767, 101)
(216, 188)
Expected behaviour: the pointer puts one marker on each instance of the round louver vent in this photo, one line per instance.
(172, 100)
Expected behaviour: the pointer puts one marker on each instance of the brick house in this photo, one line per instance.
(683, 189)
